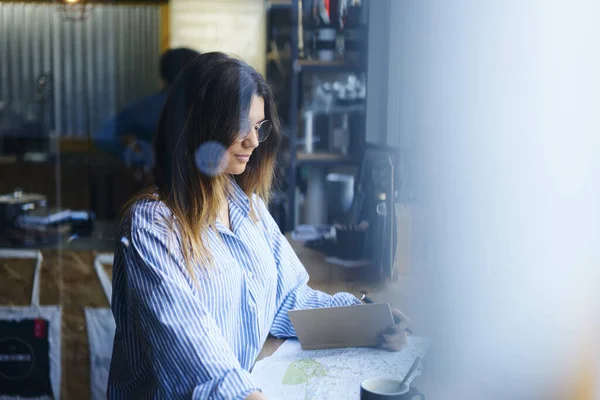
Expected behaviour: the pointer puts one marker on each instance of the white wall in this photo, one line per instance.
(232, 26)
(500, 99)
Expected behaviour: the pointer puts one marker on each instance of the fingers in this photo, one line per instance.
(394, 338)
(399, 316)
(397, 328)
(393, 342)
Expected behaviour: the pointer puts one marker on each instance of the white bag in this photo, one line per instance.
(101, 333)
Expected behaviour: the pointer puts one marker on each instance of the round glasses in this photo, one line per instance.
(263, 129)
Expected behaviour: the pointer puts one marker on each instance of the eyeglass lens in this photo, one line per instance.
(264, 129)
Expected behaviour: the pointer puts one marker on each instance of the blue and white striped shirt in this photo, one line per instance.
(177, 339)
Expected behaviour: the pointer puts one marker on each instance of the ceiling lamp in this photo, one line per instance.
(74, 10)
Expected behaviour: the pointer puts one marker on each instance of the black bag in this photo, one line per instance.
(29, 343)
(24, 358)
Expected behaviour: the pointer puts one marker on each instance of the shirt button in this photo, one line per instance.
(249, 274)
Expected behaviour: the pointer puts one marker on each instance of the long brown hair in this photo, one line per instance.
(206, 104)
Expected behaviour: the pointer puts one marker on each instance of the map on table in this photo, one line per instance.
(295, 374)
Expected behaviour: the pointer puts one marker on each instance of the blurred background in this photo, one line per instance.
(438, 155)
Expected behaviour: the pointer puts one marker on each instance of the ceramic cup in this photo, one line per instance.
(388, 389)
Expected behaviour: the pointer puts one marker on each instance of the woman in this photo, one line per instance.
(202, 274)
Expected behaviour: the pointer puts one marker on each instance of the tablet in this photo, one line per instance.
(349, 326)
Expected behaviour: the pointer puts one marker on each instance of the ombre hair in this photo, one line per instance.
(207, 104)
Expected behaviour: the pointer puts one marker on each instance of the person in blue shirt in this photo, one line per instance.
(202, 274)
(139, 119)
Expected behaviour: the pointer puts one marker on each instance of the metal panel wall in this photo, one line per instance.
(97, 65)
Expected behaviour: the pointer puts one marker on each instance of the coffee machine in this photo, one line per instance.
(374, 202)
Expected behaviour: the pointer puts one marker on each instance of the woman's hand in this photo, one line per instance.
(394, 338)
(256, 396)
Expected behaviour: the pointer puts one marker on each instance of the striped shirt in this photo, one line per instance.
(178, 339)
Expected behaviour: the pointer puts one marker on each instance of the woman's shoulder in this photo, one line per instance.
(146, 222)
(147, 214)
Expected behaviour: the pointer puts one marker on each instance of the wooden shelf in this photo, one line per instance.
(326, 66)
(354, 108)
(279, 4)
(8, 159)
(325, 158)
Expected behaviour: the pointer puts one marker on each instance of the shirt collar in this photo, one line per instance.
(239, 199)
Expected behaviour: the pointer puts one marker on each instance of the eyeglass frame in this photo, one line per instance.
(255, 127)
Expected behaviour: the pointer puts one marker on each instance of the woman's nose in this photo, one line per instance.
(252, 139)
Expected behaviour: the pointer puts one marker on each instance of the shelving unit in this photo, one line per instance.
(324, 66)
(279, 4)
(325, 161)
(341, 109)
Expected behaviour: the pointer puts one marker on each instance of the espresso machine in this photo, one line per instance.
(374, 202)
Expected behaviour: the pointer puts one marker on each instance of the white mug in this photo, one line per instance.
(387, 389)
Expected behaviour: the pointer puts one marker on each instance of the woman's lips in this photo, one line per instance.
(243, 157)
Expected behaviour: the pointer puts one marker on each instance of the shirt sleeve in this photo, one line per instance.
(188, 355)
(293, 292)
